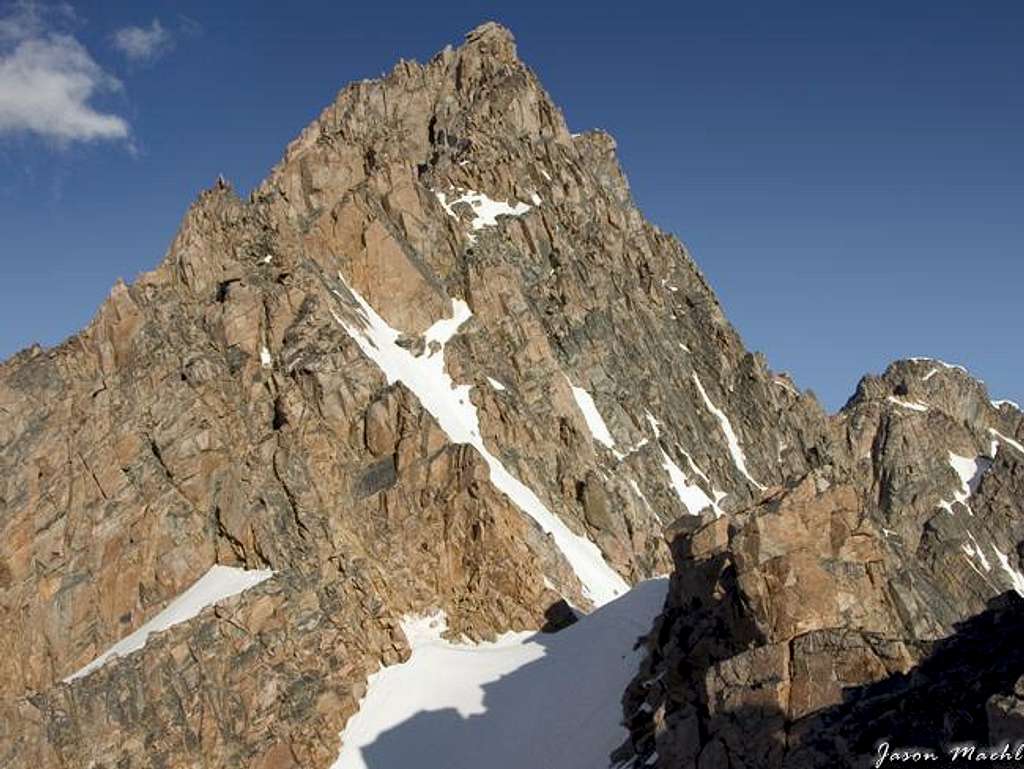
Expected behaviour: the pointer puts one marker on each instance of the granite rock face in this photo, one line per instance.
(277, 394)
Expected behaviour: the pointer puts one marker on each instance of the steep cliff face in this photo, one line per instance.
(438, 361)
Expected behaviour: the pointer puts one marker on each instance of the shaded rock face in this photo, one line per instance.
(221, 410)
(872, 600)
(864, 691)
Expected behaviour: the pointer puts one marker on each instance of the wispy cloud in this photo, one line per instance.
(48, 79)
(26, 18)
(144, 44)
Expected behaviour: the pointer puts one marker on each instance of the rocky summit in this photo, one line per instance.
(434, 390)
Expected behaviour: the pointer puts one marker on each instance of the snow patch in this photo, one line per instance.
(786, 386)
(218, 583)
(974, 550)
(691, 495)
(646, 502)
(695, 469)
(496, 384)
(951, 366)
(654, 423)
(970, 472)
(450, 405)
(738, 458)
(1012, 404)
(265, 360)
(485, 210)
(441, 332)
(630, 451)
(912, 405)
(1016, 578)
(636, 490)
(639, 445)
(507, 704)
(598, 428)
(1005, 439)
(975, 569)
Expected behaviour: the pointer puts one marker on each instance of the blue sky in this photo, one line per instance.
(850, 176)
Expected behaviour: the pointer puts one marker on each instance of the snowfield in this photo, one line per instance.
(526, 701)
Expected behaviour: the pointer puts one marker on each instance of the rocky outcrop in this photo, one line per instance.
(439, 361)
(866, 602)
(1005, 715)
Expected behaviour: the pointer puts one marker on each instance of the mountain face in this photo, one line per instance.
(438, 363)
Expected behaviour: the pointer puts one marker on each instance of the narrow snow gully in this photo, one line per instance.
(735, 450)
(449, 404)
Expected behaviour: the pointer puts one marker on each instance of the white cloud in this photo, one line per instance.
(142, 44)
(47, 79)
